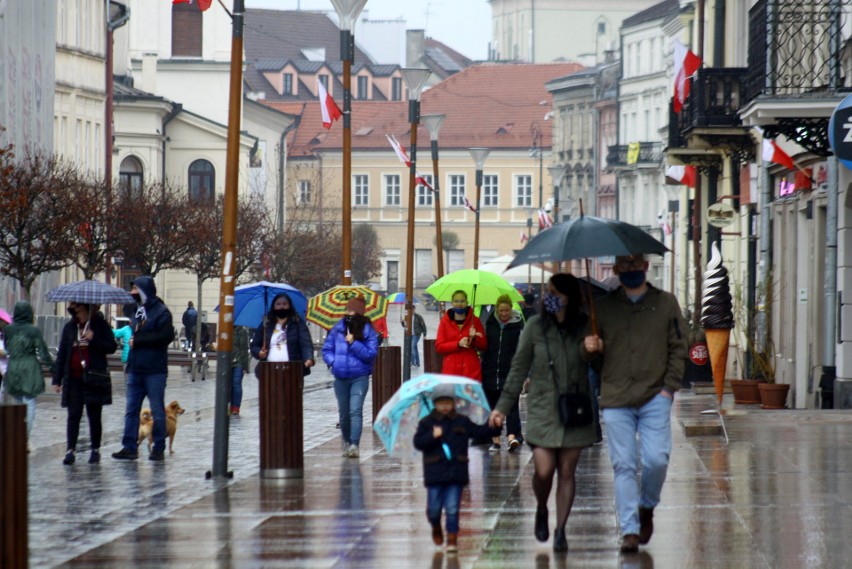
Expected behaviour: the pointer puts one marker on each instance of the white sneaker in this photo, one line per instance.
(354, 452)
(345, 449)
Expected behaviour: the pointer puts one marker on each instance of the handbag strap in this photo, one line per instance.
(549, 357)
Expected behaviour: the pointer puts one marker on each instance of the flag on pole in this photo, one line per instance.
(686, 64)
(524, 237)
(544, 221)
(468, 205)
(773, 153)
(419, 179)
(400, 151)
(664, 225)
(681, 175)
(330, 110)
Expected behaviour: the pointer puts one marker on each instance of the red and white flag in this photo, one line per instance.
(524, 237)
(773, 153)
(202, 4)
(681, 175)
(664, 225)
(419, 179)
(330, 111)
(399, 149)
(468, 205)
(544, 221)
(686, 64)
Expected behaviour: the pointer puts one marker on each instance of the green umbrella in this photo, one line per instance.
(482, 287)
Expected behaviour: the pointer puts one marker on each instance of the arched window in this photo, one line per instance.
(187, 30)
(130, 176)
(202, 180)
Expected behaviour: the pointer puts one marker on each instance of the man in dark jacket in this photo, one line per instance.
(147, 368)
(189, 320)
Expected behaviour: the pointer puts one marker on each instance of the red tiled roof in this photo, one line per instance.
(492, 105)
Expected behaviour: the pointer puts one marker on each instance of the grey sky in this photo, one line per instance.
(464, 25)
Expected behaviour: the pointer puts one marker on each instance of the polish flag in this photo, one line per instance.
(419, 179)
(400, 151)
(664, 225)
(468, 205)
(202, 4)
(524, 237)
(330, 110)
(773, 153)
(681, 175)
(544, 221)
(686, 64)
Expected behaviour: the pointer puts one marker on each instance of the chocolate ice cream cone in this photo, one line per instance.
(717, 345)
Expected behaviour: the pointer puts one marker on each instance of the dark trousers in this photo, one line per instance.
(513, 419)
(76, 392)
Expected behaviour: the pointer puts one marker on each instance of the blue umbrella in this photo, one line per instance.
(397, 422)
(253, 301)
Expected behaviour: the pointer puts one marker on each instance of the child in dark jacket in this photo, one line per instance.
(443, 437)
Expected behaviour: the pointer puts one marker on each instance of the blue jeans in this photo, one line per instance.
(415, 355)
(237, 374)
(350, 395)
(140, 385)
(30, 402)
(444, 497)
(652, 421)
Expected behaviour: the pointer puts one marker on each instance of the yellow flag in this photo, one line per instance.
(633, 153)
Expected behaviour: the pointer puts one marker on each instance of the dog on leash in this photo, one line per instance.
(146, 424)
(146, 427)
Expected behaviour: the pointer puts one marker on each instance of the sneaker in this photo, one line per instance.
(95, 456)
(235, 410)
(345, 449)
(125, 454)
(514, 445)
(646, 524)
(437, 534)
(495, 447)
(452, 542)
(354, 452)
(69, 458)
(157, 455)
(630, 543)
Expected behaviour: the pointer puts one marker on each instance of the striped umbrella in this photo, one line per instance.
(89, 292)
(326, 308)
(399, 298)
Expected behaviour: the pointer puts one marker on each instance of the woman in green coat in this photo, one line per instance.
(25, 345)
(557, 334)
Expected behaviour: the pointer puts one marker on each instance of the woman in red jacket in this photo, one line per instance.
(460, 336)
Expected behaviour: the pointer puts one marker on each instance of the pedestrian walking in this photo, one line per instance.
(443, 437)
(282, 336)
(460, 335)
(349, 351)
(81, 375)
(418, 330)
(380, 325)
(189, 321)
(549, 353)
(239, 365)
(147, 369)
(25, 348)
(641, 348)
(502, 333)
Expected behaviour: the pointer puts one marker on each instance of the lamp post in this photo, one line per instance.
(414, 81)
(557, 174)
(347, 15)
(536, 151)
(433, 123)
(479, 155)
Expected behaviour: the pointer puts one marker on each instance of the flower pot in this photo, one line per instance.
(773, 395)
(745, 391)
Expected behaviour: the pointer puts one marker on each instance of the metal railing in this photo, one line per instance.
(649, 152)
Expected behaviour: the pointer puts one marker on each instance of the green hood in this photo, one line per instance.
(23, 313)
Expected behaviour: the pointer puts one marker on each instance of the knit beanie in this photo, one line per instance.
(357, 305)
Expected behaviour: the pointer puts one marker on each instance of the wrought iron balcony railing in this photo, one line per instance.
(795, 47)
(649, 153)
(714, 100)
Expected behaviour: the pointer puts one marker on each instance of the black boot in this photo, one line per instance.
(542, 532)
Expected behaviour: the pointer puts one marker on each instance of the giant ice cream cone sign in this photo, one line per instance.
(717, 317)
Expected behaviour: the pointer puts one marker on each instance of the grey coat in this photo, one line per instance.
(543, 426)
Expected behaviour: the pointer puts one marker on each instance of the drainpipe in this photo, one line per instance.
(176, 110)
(830, 318)
(282, 172)
(719, 35)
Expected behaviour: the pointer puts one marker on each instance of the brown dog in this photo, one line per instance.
(173, 409)
(146, 427)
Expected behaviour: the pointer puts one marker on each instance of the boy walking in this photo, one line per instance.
(443, 437)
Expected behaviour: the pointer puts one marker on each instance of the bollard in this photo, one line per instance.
(432, 360)
(14, 541)
(282, 440)
(387, 376)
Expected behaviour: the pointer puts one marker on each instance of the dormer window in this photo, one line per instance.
(288, 84)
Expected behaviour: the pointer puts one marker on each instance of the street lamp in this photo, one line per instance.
(479, 155)
(433, 123)
(557, 174)
(414, 79)
(347, 15)
(536, 151)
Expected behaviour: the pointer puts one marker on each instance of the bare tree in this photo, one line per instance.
(92, 225)
(366, 253)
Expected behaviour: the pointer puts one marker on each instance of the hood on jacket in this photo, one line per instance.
(23, 313)
(147, 288)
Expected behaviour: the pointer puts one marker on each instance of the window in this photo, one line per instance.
(489, 191)
(187, 30)
(424, 194)
(392, 189)
(130, 176)
(361, 185)
(457, 189)
(396, 89)
(601, 28)
(304, 195)
(288, 84)
(523, 190)
(202, 179)
(324, 80)
(363, 88)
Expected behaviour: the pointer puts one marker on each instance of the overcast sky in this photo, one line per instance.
(464, 25)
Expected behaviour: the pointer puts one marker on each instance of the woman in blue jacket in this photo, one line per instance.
(349, 351)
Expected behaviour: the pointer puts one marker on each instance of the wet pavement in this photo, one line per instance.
(774, 497)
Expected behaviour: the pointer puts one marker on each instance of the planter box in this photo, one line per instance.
(746, 391)
(773, 395)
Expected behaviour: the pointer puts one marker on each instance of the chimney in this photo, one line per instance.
(415, 47)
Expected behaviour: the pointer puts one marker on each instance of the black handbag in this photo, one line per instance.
(97, 378)
(575, 408)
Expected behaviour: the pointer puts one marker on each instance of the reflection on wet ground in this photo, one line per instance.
(775, 497)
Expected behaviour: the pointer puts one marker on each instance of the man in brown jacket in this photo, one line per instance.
(641, 348)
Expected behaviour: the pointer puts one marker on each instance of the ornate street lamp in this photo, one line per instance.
(433, 123)
(347, 14)
(414, 79)
(479, 155)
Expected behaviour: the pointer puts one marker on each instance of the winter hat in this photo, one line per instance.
(357, 305)
(443, 391)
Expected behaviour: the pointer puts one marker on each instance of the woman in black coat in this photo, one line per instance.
(86, 341)
(283, 336)
(503, 331)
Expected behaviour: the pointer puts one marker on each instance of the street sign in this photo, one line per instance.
(840, 132)
(721, 215)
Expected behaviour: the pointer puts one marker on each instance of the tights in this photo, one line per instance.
(547, 462)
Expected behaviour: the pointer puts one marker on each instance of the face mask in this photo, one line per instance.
(282, 312)
(137, 298)
(347, 320)
(632, 279)
(460, 311)
(552, 304)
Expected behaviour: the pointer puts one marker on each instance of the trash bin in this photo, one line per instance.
(14, 540)
(282, 440)
(387, 376)
(432, 360)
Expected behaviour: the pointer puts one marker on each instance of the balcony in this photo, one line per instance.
(650, 153)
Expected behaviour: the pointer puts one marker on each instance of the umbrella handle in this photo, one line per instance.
(592, 312)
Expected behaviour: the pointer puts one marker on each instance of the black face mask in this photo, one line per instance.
(347, 320)
(137, 297)
(282, 312)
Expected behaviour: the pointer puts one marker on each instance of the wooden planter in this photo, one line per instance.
(773, 395)
(746, 391)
